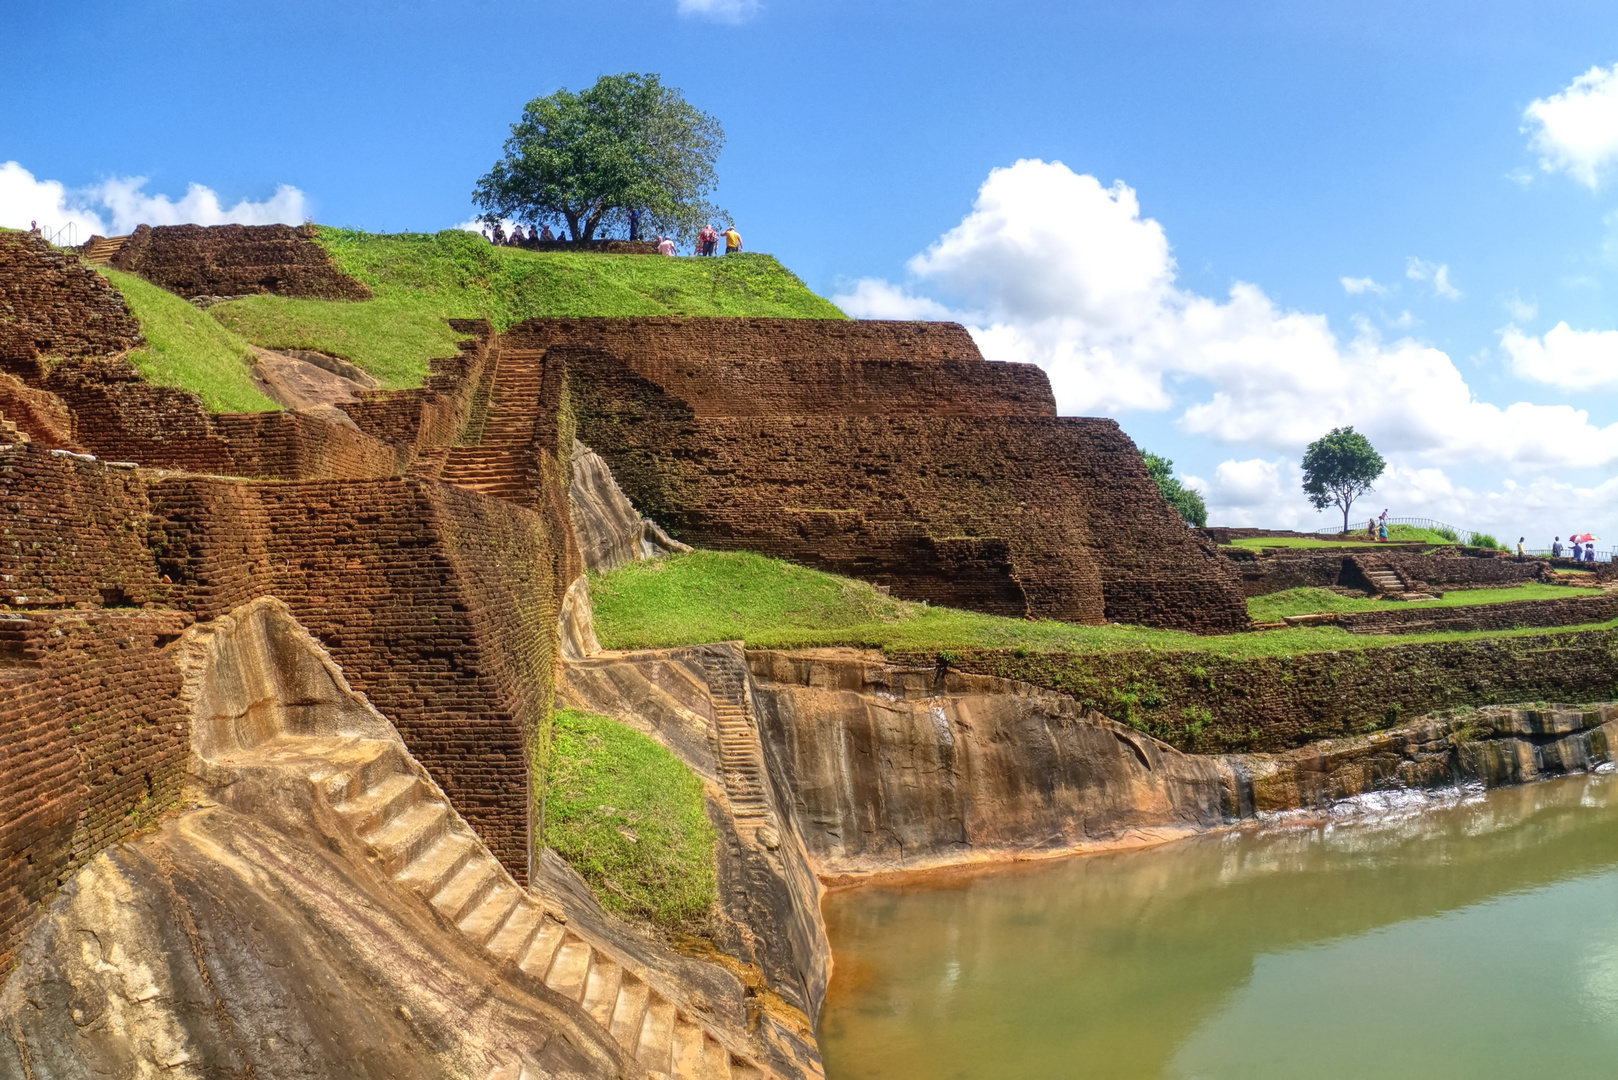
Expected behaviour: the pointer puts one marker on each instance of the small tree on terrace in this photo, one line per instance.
(586, 159)
(1188, 501)
(1338, 468)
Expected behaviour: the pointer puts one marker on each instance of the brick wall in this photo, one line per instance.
(440, 605)
(72, 532)
(236, 260)
(1276, 571)
(958, 487)
(53, 305)
(1209, 702)
(1511, 615)
(93, 745)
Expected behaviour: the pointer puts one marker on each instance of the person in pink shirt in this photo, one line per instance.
(665, 246)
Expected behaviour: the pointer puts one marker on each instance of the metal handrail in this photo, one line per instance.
(55, 236)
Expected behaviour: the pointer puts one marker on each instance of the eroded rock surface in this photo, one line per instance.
(609, 530)
(897, 769)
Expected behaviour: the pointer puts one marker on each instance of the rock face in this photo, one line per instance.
(326, 912)
(608, 528)
(898, 769)
(1495, 747)
(700, 703)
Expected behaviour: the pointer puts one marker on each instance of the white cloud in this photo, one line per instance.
(1576, 131)
(1521, 310)
(1354, 286)
(1565, 357)
(118, 205)
(1062, 271)
(731, 11)
(1421, 270)
(874, 299)
(24, 199)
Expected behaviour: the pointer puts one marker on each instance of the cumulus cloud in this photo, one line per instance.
(1354, 286)
(118, 205)
(1576, 131)
(1266, 493)
(1422, 270)
(24, 199)
(731, 11)
(1059, 270)
(1565, 357)
(873, 299)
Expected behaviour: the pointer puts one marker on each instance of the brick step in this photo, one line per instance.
(424, 846)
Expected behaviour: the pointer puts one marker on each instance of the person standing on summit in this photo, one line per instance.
(634, 224)
(733, 241)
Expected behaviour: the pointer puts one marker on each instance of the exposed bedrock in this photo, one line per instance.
(700, 703)
(319, 909)
(893, 769)
(609, 530)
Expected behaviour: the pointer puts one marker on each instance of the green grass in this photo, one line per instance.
(1275, 606)
(769, 604)
(421, 279)
(629, 817)
(1399, 534)
(187, 348)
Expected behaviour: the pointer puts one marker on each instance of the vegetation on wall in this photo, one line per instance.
(1187, 502)
(629, 817)
(187, 348)
(421, 279)
(771, 604)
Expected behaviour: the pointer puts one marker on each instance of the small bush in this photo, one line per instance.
(1484, 540)
(629, 817)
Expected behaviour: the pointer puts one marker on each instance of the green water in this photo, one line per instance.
(1478, 939)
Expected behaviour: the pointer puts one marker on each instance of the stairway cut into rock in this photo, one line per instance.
(424, 845)
(502, 462)
(740, 752)
(100, 250)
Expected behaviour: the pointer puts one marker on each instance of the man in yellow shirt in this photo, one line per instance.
(733, 241)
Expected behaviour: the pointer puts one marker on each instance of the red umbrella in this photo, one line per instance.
(1583, 538)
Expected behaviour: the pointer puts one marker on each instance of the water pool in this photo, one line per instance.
(1473, 938)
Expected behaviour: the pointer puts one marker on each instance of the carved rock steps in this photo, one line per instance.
(425, 847)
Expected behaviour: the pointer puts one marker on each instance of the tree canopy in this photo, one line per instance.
(586, 159)
(1187, 501)
(1338, 468)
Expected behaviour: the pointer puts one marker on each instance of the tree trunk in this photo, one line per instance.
(1345, 517)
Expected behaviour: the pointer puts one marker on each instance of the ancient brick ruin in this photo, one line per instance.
(236, 260)
(886, 451)
(53, 305)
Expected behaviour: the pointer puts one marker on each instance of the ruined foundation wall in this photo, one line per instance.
(93, 744)
(53, 305)
(1209, 702)
(236, 260)
(890, 452)
(439, 604)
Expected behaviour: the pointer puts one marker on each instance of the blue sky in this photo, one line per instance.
(1278, 148)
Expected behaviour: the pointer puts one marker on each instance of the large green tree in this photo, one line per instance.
(585, 160)
(1187, 501)
(1338, 468)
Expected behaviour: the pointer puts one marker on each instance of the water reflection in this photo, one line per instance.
(1476, 939)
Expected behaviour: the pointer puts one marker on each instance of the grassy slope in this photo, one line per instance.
(421, 279)
(629, 817)
(719, 596)
(1274, 606)
(1404, 534)
(187, 348)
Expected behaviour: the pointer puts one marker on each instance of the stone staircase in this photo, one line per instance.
(502, 463)
(100, 250)
(1388, 585)
(425, 846)
(740, 752)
